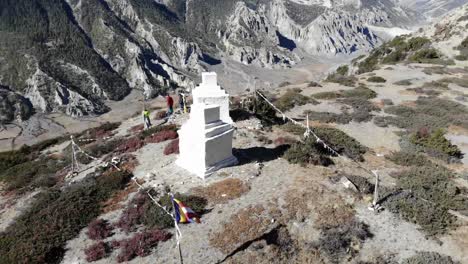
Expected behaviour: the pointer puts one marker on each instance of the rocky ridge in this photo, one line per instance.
(73, 56)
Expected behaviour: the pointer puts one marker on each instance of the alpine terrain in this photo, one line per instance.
(338, 132)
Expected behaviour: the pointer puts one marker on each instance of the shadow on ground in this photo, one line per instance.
(259, 154)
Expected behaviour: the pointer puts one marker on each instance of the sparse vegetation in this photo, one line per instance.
(245, 225)
(429, 112)
(462, 82)
(284, 141)
(376, 79)
(361, 112)
(435, 141)
(99, 229)
(341, 142)
(222, 191)
(335, 138)
(359, 92)
(343, 240)
(292, 98)
(463, 48)
(341, 76)
(140, 244)
(429, 257)
(156, 129)
(143, 211)
(97, 251)
(426, 195)
(404, 158)
(40, 233)
(104, 130)
(403, 83)
(33, 174)
(401, 49)
(308, 152)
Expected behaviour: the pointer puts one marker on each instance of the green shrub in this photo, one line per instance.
(327, 117)
(149, 132)
(343, 241)
(360, 92)
(461, 57)
(435, 141)
(293, 129)
(308, 152)
(405, 158)
(429, 112)
(292, 98)
(99, 132)
(26, 153)
(341, 76)
(9, 159)
(32, 174)
(403, 82)
(341, 142)
(417, 43)
(142, 210)
(462, 82)
(361, 112)
(376, 79)
(262, 110)
(343, 70)
(335, 138)
(342, 79)
(426, 197)
(429, 257)
(370, 63)
(394, 57)
(425, 55)
(326, 95)
(463, 44)
(41, 232)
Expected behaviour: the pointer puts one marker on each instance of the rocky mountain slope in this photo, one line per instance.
(73, 55)
(433, 8)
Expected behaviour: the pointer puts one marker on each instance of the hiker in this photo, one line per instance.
(146, 118)
(170, 105)
(182, 102)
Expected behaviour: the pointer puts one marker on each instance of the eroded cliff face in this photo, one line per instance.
(72, 56)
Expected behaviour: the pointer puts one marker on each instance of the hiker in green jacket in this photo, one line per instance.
(146, 118)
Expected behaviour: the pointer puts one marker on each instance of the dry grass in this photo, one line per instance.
(222, 191)
(331, 215)
(245, 225)
(297, 203)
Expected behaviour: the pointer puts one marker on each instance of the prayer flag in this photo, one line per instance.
(184, 214)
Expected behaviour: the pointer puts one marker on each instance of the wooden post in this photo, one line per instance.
(73, 155)
(181, 259)
(376, 189)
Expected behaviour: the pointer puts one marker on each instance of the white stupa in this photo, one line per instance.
(205, 140)
(209, 92)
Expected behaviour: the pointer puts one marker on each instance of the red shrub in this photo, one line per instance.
(97, 251)
(99, 229)
(137, 128)
(423, 132)
(160, 115)
(172, 148)
(284, 141)
(131, 217)
(141, 244)
(162, 136)
(131, 145)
